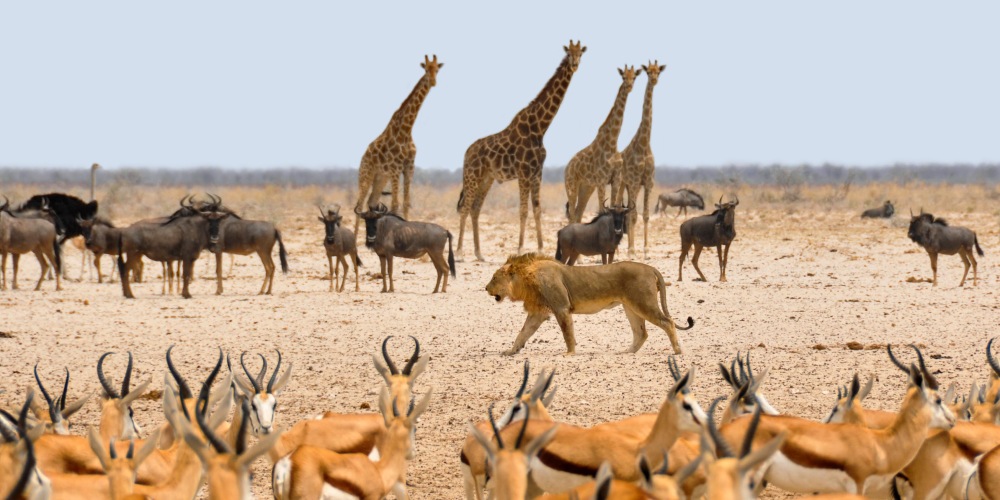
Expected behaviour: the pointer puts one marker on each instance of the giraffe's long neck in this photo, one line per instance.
(539, 114)
(607, 135)
(646, 125)
(404, 117)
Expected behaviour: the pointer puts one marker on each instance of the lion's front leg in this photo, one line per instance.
(565, 320)
(531, 324)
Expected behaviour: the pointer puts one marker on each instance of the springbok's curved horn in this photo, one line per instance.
(262, 372)
(108, 389)
(990, 359)
(45, 394)
(895, 361)
(524, 381)
(388, 361)
(932, 382)
(274, 376)
(128, 376)
(722, 448)
(182, 387)
(524, 426)
(201, 408)
(413, 359)
(493, 424)
(253, 381)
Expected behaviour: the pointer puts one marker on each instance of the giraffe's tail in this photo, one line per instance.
(461, 198)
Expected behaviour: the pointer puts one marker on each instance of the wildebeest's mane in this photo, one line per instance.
(394, 214)
(686, 190)
(103, 221)
(600, 214)
(930, 219)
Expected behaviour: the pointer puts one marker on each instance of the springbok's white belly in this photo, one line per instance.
(331, 493)
(281, 483)
(795, 478)
(554, 481)
(374, 455)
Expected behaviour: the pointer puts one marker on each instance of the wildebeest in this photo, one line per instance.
(100, 237)
(600, 236)
(883, 212)
(66, 207)
(229, 233)
(20, 235)
(339, 241)
(390, 235)
(713, 230)
(937, 237)
(682, 198)
(180, 238)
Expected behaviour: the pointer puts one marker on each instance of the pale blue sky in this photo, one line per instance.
(311, 83)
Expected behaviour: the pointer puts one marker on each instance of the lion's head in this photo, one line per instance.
(516, 278)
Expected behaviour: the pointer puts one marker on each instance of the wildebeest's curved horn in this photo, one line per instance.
(253, 381)
(217, 200)
(322, 212)
(990, 359)
(274, 376)
(413, 359)
(720, 201)
(388, 361)
(737, 202)
(108, 389)
(921, 210)
(6, 203)
(183, 199)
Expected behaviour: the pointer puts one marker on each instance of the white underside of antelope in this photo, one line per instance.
(792, 477)
(552, 480)
(281, 483)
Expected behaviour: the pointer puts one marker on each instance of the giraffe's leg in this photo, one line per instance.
(477, 206)
(407, 179)
(465, 200)
(536, 206)
(647, 189)
(572, 193)
(524, 195)
(584, 197)
(633, 217)
(394, 205)
(366, 176)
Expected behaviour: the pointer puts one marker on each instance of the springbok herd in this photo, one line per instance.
(938, 443)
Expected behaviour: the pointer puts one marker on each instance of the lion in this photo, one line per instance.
(547, 287)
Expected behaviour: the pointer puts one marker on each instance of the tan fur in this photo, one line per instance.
(549, 288)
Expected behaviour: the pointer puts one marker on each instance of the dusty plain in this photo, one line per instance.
(806, 277)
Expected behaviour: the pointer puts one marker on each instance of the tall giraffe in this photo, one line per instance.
(393, 152)
(515, 152)
(600, 163)
(638, 161)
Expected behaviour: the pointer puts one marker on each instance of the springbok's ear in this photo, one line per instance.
(419, 367)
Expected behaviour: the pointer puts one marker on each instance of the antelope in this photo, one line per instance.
(120, 472)
(937, 237)
(227, 468)
(849, 458)
(730, 476)
(473, 457)
(262, 398)
(737, 380)
(20, 476)
(355, 433)
(716, 229)
(314, 472)
(230, 233)
(339, 242)
(654, 485)
(19, 236)
(389, 236)
(56, 418)
(116, 407)
(574, 454)
(509, 466)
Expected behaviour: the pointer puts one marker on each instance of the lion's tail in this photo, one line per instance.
(661, 285)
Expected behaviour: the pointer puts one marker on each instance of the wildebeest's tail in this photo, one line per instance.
(461, 198)
(451, 256)
(656, 209)
(979, 249)
(282, 255)
(357, 260)
(57, 252)
(661, 285)
(121, 260)
(559, 250)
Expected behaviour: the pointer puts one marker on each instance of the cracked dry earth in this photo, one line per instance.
(801, 287)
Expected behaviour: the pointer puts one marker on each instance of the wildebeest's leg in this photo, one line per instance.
(49, 253)
(3, 270)
(531, 324)
(972, 258)
(694, 260)
(685, 246)
(933, 267)
(269, 268)
(441, 266)
(341, 262)
(392, 283)
(725, 258)
(45, 268)
(722, 264)
(572, 258)
(333, 277)
(604, 258)
(97, 264)
(639, 333)
(218, 274)
(163, 281)
(964, 254)
(187, 276)
(15, 258)
(232, 261)
(357, 281)
(124, 267)
(385, 277)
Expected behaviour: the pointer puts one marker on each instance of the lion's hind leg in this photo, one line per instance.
(639, 333)
(651, 312)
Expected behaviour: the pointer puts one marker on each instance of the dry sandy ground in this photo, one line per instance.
(795, 280)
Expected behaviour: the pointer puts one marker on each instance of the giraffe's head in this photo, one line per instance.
(629, 75)
(653, 70)
(431, 66)
(574, 52)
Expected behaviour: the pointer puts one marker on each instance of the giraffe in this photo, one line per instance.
(393, 152)
(515, 152)
(638, 161)
(600, 162)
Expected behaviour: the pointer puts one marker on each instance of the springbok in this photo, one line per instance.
(314, 472)
(56, 419)
(262, 398)
(509, 465)
(730, 476)
(116, 406)
(20, 475)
